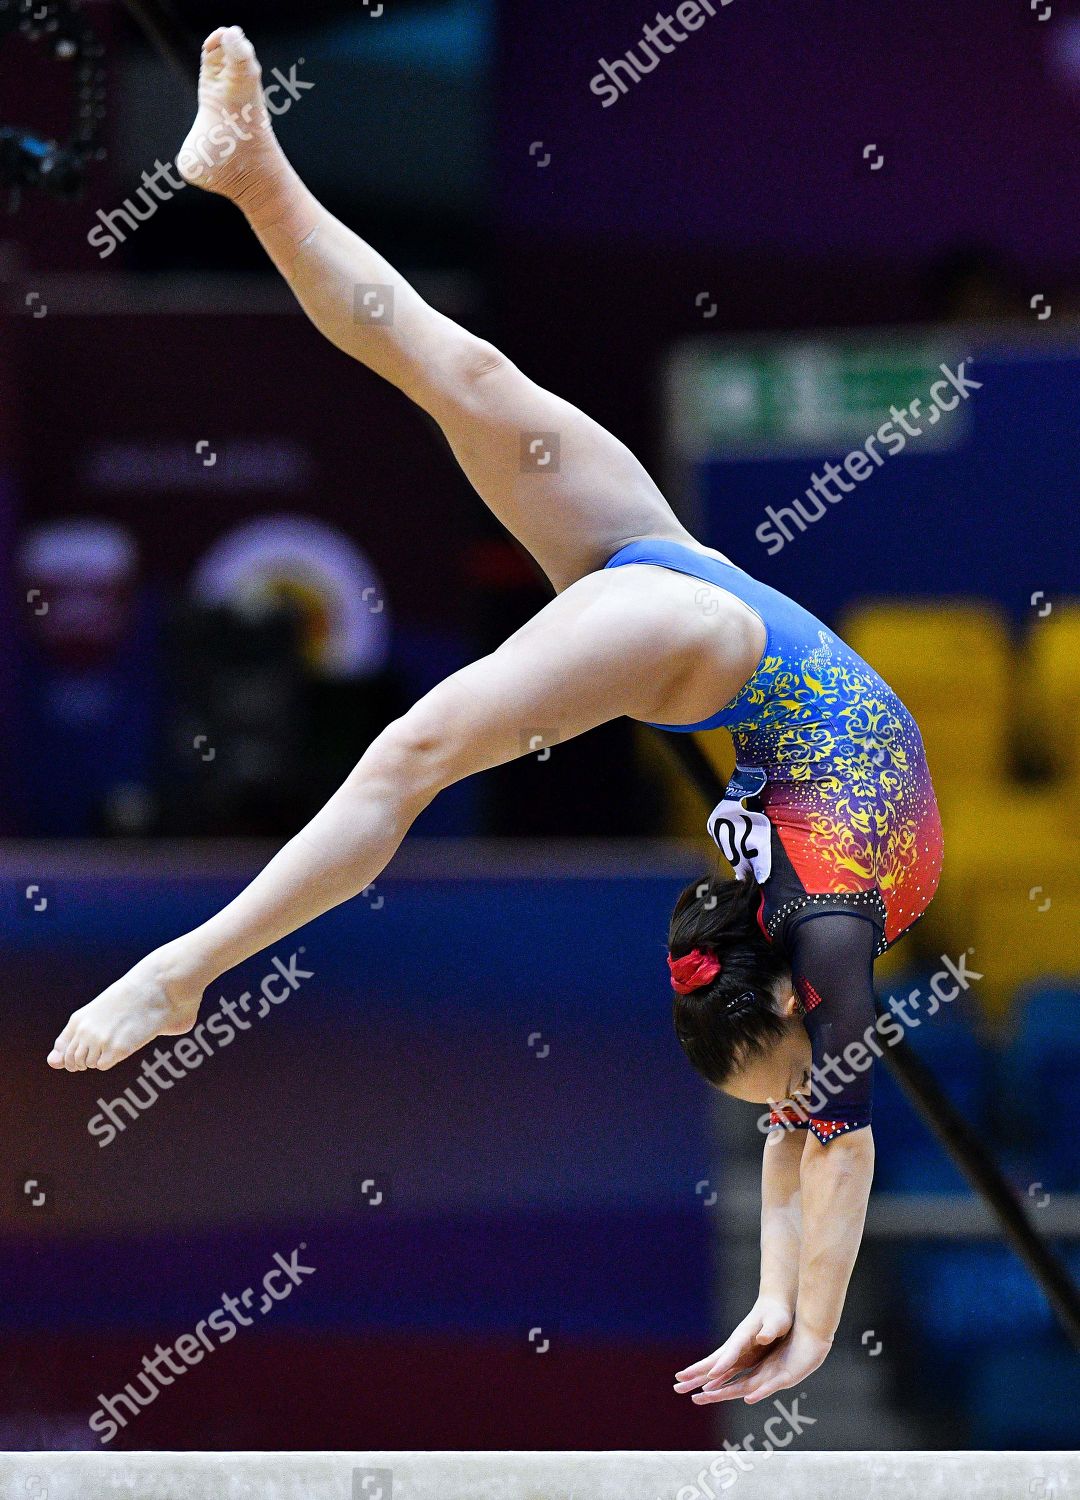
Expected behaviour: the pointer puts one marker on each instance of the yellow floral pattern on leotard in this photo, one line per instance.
(848, 791)
(842, 776)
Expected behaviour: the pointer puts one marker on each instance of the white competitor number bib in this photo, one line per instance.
(743, 835)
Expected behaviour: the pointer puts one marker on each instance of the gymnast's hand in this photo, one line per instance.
(786, 1363)
(763, 1331)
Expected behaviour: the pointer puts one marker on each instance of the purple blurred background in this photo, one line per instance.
(169, 420)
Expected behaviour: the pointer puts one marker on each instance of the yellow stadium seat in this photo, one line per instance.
(1020, 933)
(898, 959)
(1010, 889)
(1051, 696)
(953, 665)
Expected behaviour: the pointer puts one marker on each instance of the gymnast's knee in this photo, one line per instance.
(412, 758)
(480, 360)
(457, 374)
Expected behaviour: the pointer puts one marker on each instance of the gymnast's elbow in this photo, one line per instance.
(848, 1156)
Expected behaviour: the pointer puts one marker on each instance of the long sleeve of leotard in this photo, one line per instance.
(832, 965)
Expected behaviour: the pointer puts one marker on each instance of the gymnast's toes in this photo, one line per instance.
(232, 122)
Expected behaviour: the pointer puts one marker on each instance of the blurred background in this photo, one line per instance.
(230, 557)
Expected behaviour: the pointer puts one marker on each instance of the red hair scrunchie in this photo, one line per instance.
(693, 970)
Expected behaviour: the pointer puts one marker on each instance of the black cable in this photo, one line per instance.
(986, 1177)
(933, 1105)
(171, 38)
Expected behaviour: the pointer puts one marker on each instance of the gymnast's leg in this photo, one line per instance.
(571, 518)
(623, 641)
(627, 641)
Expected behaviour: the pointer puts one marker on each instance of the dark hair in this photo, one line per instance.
(734, 1018)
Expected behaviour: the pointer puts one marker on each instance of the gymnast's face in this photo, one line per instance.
(782, 1073)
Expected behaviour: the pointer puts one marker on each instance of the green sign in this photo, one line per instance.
(803, 397)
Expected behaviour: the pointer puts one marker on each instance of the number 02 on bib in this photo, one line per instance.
(741, 830)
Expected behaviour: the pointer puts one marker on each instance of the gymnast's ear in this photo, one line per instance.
(787, 1002)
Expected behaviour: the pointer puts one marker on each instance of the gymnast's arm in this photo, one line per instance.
(832, 968)
(772, 1314)
(781, 1221)
(835, 1185)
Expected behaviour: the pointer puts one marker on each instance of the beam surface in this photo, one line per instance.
(537, 1476)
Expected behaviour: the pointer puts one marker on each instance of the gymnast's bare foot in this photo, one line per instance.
(231, 140)
(155, 998)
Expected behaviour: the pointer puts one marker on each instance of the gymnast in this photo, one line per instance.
(829, 821)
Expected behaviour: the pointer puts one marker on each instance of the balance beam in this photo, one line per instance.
(535, 1476)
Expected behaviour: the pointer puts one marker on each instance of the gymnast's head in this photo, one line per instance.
(734, 1007)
